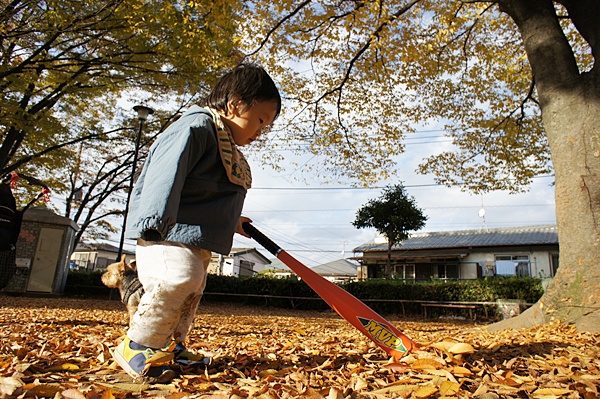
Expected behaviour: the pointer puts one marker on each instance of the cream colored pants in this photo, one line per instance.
(174, 278)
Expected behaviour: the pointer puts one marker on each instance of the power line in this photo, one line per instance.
(424, 207)
(304, 147)
(364, 188)
(334, 188)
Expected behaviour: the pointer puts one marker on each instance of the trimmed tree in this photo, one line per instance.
(394, 215)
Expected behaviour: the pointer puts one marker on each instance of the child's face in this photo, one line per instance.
(247, 124)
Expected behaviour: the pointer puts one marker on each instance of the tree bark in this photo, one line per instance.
(574, 294)
(570, 105)
(388, 263)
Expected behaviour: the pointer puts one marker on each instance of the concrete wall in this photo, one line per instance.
(540, 259)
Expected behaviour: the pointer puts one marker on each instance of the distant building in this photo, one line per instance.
(338, 271)
(277, 269)
(96, 256)
(239, 262)
(465, 254)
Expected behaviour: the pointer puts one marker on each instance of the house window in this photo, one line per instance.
(448, 271)
(554, 263)
(81, 259)
(425, 271)
(246, 268)
(405, 272)
(512, 265)
(409, 272)
(376, 270)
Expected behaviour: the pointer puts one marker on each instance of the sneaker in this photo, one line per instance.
(141, 361)
(187, 357)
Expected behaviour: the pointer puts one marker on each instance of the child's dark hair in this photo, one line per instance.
(246, 83)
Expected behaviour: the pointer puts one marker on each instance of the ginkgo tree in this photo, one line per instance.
(65, 63)
(514, 82)
(67, 66)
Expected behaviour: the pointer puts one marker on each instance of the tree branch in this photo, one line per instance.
(278, 24)
(548, 50)
(31, 157)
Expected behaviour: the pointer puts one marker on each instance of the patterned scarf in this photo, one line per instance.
(234, 161)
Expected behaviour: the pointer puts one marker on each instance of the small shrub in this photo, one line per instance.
(86, 284)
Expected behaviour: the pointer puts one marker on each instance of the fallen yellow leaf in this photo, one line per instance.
(177, 395)
(9, 385)
(46, 390)
(64, 366)
(334, 394)
(73, 394)
(425, 392)
(160, 358)
(397, 388)
(205, 386)
(397, 367)
(444, 345)
(267, 372)
(448, 388)
(461, 371)
(426, 363)
(461, 348)
(550, 392)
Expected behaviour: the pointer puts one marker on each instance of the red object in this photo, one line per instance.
(13, 180)
(365, 319)
(46, 193)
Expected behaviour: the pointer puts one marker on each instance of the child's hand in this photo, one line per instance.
(239, 228)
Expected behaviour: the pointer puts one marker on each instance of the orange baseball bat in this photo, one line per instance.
(365, 319)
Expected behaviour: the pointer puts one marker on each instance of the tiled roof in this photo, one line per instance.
(340, 267)
(530, 235)
(243, 251)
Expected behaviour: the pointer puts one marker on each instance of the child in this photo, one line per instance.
(185, 204)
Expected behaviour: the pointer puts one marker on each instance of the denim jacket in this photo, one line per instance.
(183, 191)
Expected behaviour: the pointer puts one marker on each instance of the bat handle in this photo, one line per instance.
(261, 238)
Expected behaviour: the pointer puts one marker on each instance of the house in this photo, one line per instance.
(337, 271)
(239, 262)
(465, 254)
(277, 269)
(97, 256)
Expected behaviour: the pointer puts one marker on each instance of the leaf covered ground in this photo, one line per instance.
(60, 348)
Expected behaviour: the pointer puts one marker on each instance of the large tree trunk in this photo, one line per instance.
(570, 103)
(572, 125)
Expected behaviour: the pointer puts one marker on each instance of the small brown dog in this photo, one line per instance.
(123, 275)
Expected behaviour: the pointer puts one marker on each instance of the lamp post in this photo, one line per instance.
(143, 113)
